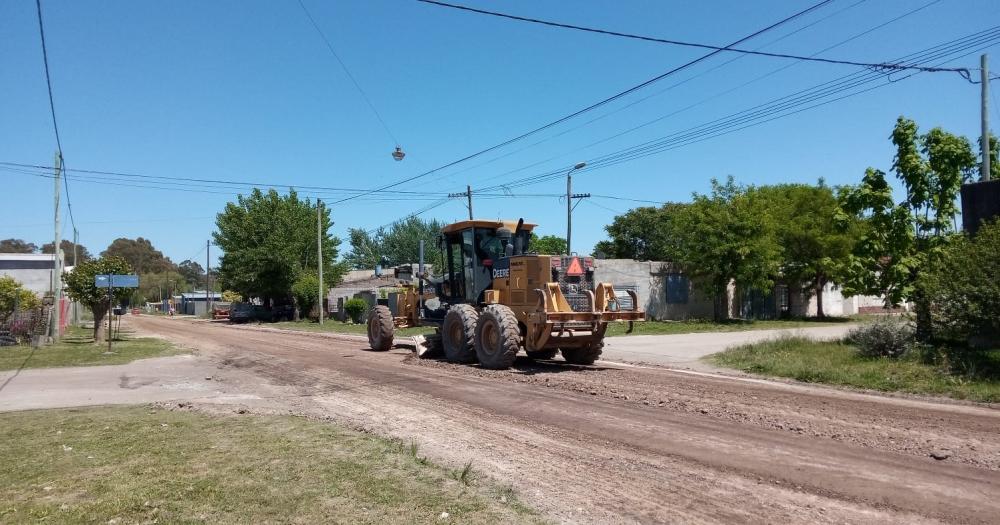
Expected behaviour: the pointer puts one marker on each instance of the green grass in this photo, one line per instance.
(77, 348)
(146, 465)
(334, 326)
(839, 364)
(703, 325)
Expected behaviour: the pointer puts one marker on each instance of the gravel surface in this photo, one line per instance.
(611, 443)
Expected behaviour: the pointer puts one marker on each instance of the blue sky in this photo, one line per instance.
(247, 91)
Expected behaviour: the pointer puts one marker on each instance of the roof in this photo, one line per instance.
(27, 261)
(481, 223)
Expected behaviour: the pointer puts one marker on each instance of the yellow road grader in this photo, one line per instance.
(493, 298)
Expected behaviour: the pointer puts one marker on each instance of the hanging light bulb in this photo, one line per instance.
(398, 154)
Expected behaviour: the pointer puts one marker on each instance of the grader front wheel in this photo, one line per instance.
(380, 328)
(458, 333)
(498, 337)
(585, 355)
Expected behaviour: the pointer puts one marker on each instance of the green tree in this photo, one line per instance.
(965, 288)
(81, 288)
(395, 245)
(727, 236)
(161, 285)
(17, 246)
(814, 250)
(193, 273)
(547, 244)
(268, 240)
(14, 296)
(140, 255)
(643, 234)
(901, 241)
(306, 291)
(82, 254)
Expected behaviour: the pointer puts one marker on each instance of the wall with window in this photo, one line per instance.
(665, 292)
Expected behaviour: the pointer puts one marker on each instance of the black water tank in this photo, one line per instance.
(980, 202)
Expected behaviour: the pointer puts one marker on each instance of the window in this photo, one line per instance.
(677, 288)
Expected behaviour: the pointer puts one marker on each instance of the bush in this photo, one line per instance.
(305, 289)
(886, 337)
(355, 309)
(965, 288)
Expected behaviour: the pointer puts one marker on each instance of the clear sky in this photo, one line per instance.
(247, 91)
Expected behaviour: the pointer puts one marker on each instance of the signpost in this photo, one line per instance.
(110, 281)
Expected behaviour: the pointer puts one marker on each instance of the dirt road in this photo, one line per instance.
(610, 444)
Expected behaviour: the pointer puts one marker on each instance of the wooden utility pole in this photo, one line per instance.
(208, 268)
(468, 198)
(319, 254)
(984, 70)
(74, 305)
(569, 205)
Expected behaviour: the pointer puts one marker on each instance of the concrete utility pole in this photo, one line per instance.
(76, 242)
(319, 254)
(984, 170)
(208, 267)
(468, 196)
(569, 205)
(56, 259)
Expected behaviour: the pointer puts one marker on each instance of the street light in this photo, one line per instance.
(569, 205)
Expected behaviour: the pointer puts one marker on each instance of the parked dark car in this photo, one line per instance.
(242, 313)
(246, 312)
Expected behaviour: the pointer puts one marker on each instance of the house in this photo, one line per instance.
(33, 270)
(196, 302)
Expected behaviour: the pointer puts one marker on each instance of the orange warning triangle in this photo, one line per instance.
(575, 268)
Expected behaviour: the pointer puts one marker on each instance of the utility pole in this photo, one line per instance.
(468, 196)
(56, 259)
(208, 267)
(569, 205)
(984, 70)
(319, 254)
(74, 306)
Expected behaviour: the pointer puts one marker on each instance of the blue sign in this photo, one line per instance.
(116, 281)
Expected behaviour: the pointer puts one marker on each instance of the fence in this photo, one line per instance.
(20, 326)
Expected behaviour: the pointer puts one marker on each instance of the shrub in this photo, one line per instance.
(886, 337)
(305, 289)
(355, 308)
(965, 288)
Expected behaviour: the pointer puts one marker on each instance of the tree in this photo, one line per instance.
(965, 288)
(814, 249)
(161, 285)
(547, 244)
(643, 234)
(900, 242)
(306, 292)
(725, 237)
(268, 241)
(17, 246)
(81, 288)
(399, 244)
(192, 272)
(140, 254)
(14, 296)
(82, 254)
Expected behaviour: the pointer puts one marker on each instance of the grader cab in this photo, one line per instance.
(494, 298)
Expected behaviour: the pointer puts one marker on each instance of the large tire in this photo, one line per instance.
(458, 334)
(543, 354)
(498, 337)
(585, 355)
(380, 328)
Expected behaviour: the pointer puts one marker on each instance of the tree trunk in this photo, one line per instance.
(922, 305)
(99, 315)
(820, 283)
(720, 304)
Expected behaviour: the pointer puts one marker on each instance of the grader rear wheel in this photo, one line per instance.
(585, 355)
(498, 337)
(458, 334)
(380, 328)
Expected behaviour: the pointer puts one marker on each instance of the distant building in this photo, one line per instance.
(32, 270)
(196, 302)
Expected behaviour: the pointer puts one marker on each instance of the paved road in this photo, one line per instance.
(685, 350)
(610, 444)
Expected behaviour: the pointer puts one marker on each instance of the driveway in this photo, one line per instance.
(685, 350)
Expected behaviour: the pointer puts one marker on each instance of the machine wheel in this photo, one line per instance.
(380, 328)
(498, 337)
(543, 354)
(583, 356)
(458, 333)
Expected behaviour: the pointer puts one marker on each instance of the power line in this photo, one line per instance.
(52, 108)
(880, 66)
(595, 105)
(348, 72)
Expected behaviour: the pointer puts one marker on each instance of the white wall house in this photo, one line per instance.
(33, 270)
